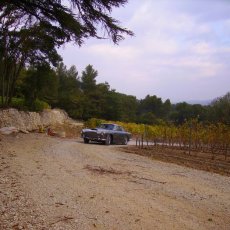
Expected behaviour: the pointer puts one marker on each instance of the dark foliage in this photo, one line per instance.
(74, 21)
(83, 98)
(32, 30)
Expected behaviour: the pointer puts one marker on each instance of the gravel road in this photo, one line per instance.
(53, 183)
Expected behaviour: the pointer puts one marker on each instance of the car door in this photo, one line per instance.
(119, 134)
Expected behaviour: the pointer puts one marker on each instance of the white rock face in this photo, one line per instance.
(8, 130)
(28, 121)
(54, 116)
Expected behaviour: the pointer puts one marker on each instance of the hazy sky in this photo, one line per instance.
(181, 50)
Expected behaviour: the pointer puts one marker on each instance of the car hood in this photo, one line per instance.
(96, 130)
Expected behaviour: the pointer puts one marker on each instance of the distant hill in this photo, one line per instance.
(201, 102)
(193, 102)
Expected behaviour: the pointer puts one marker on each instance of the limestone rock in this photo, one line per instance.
(8, 130)
(29, 121)
(54, 116)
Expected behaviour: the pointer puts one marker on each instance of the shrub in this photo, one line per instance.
(93, 122)
(39, 105)
(20, 104)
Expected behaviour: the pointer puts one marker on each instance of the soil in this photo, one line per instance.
(54, 183)
(217, 163)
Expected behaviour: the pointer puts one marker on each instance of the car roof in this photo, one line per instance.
(109, 124)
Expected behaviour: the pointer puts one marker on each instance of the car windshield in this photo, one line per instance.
(106, 126)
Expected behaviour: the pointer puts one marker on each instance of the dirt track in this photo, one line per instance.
(51, 183)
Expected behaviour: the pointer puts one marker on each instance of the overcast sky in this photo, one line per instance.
(181, 50)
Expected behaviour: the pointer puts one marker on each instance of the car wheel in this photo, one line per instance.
(125, 141)
(86, 141)
(108, 140)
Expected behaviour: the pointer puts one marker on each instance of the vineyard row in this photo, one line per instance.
(192, 135)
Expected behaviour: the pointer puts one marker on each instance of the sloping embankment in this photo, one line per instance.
(30, 121)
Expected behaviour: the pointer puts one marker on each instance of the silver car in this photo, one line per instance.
(107, 134)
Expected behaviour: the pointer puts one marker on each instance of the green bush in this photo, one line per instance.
(17, 103)
(93, 123)
(39, 105)
(20, 104)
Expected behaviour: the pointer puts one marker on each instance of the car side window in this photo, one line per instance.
(110, 127)
(119, 128)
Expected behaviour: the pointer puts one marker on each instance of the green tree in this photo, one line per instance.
(219, 111)
(31, 31)
(40, 83)
(88, 80)
(102, 93)
(166, 108)
(72, 21)
(91, 96)
(150, 108)
(183, 111)
(70, 96)
(128, 107)
(29, 45)
(113, 109)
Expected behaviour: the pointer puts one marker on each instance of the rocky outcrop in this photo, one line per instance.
(29, 121)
